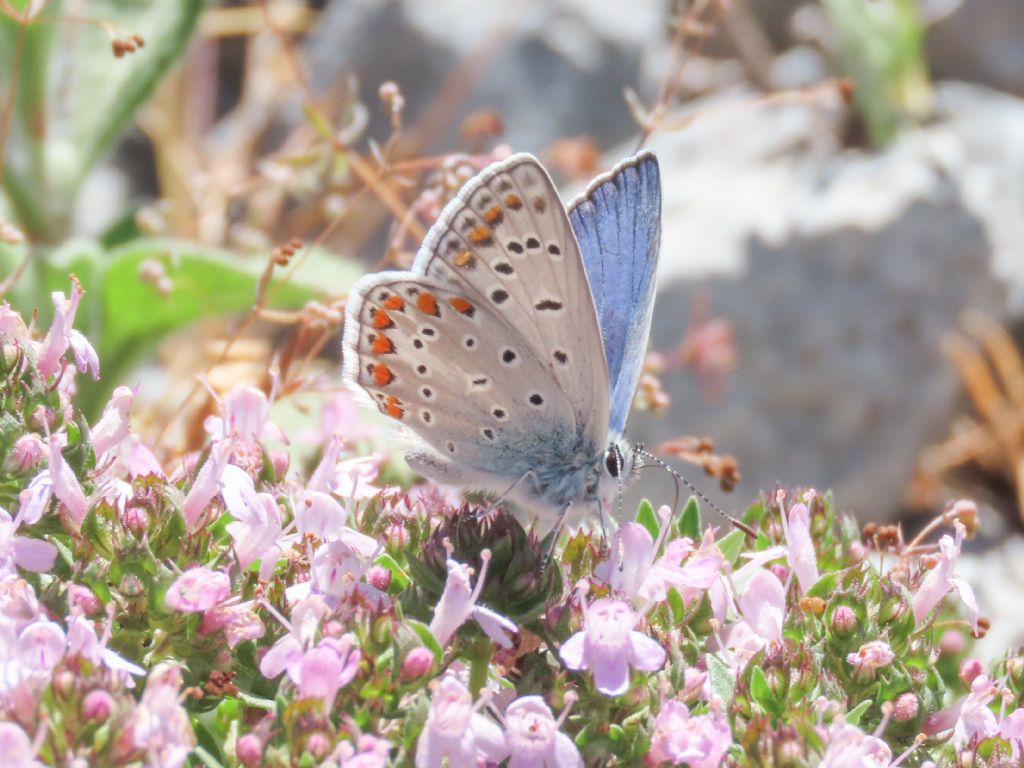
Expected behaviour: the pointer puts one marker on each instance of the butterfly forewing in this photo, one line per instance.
(451, 368)
(506, 244)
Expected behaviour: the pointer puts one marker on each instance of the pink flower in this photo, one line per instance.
(239, 622)
(198, 589)
(699, 741)
(319, 514)
(246, 411)
(942, 578)
(160, 726)
(871, 656)
(257, 530)
(65, 485)
(368, 752)
(850, 747)
(325, 668)
(800, 549)
(455, 731)
(16, 749)
(976, 720)
(458, 603)
(533, 739)
(23, 551)
(632, 569)
(61, 335)
(608, 646)
(763, 605)
(1012, 729)
(40, 646)
(206, 484)
(113, 426)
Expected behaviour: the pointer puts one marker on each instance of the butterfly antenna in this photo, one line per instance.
(679, 478)
(618, 479)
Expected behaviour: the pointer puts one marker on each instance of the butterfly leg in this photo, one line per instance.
(555, 533)
(505, 494)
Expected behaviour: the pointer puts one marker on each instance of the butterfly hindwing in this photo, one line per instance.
(507, 244)
(617, 222)
(453, 371)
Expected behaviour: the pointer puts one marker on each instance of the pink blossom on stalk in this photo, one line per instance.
(800, 547)
(871, 656)
(941, 579)
(326, 668)
(41, 646)
(206, 484)
(305, 621)
(16, 749)
(319, 514)
(160, 725)
(608, 645)
(533, 738)
(113, 426)
(763, 605)
(23, 551)
(699, 741)
(61, 335)
(633, 569)
(975, 719)
(198, 589)
(454, 730)
(367, 752)
(257, 530)
(850, 747)
(1012, 729)
(458, 603)
(65, 485)
(239, 622)
(245, 418)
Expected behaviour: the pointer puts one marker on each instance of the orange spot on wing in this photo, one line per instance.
(513, 201)
(394, 302)
(464, 306)
(494, 216)
(393, 407)
(464, 259)
(381, 374)
(382, 345)
(380, 319)
(481, 236)
(427, 304)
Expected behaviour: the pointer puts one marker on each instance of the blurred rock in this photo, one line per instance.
(553, 69)
(840, 271)
(979, 41)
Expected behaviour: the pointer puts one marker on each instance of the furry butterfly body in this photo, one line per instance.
(512, 349)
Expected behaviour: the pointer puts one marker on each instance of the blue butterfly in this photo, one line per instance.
(513, 348)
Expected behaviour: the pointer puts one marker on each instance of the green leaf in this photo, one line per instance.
(646, 517)
(64, 130)
(426, 637)
(731, 546)
(854, 715)
(759, 689)
(723, 684)
(689, 522)
(256, 702)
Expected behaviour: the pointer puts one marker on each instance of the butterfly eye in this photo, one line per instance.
(613, 460)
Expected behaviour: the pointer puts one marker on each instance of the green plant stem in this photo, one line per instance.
(479, 663)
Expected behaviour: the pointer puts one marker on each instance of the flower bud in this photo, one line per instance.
(906, 707)
(249, 750)
(844, 621)
(318, 745)
(26, 453)
(379, 577)
(84, 599)
(970, 669)
(279, 462)
(97, 705)
(418, 662)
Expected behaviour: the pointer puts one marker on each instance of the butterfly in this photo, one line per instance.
(512, 350)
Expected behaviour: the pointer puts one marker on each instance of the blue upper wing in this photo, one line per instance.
(617, 222)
